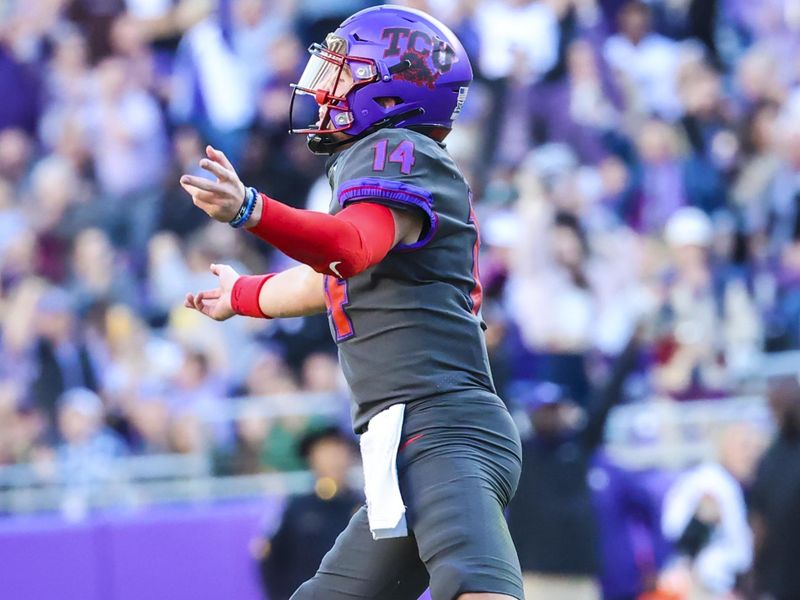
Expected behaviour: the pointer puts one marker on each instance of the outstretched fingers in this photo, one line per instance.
(221, 270)
(194, 302)
(218, 156)
(222, 173)
(203, 200)
(204, 302)
(207, 307)
(208, 295)
(215, 303)
(198, 195)
(201, 183)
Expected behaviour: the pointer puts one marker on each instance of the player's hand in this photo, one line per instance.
(220, 199)
(215, 303)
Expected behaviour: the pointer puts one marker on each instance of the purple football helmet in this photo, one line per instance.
(386, 66)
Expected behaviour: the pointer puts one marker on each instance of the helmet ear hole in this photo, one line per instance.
(388, 101)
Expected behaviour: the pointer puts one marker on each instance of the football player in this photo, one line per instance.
(395, 265)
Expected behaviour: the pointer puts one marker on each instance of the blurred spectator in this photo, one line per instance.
(663, 189)
(137, 361)
(627, 514)
(129, 42)
(316, 18)
(556, 270)
(280, 164)
(124, 124)
(176, 214)
(700, 311)
(311, 522)
(579, 109)
(760, 159)
(174, 267)
(150, 420)
(262, 444)
(186, 434)
(196, 392)
(207, 67)
(775, 498)
(68, 87)
(247, 456)
(58, 215)
(124, 128)
(12, 221)
(16, 149)
(23, 429)
(516, 35)
(758, 78)
(95, 18)
(97, 275)
(591, 299)
(196, 384)
(518, 40)
(270, 376)
(705, 517)
(281, 452)
(20, 109)
(551, 517)
(85, 458)
(712, 142)
(63, 360)
(273, 442)
(257, 24)
(783, 195)
(165, 22)
(645, 60)
(787, 321)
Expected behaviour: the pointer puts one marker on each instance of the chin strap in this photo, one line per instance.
(325, 144)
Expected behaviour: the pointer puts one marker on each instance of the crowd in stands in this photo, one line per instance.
(636, 169)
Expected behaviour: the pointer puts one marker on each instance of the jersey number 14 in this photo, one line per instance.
(403, 154)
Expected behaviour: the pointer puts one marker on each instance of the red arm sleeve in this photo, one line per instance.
(342, 245)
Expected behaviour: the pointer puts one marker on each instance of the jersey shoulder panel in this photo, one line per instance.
(395, 167)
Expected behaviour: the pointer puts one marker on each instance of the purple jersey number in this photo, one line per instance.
(403, 155)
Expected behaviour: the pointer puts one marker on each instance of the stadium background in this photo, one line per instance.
(650, 188)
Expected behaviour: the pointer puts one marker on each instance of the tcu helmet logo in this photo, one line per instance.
(429, 57)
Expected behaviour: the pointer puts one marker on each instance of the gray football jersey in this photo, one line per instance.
(409, 328)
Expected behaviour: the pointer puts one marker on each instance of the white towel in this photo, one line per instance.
(385, 508)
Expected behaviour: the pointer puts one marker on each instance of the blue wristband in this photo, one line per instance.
(246, 210)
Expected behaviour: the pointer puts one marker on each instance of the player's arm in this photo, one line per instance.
(295, 292)
(360, 236)
(342, 245)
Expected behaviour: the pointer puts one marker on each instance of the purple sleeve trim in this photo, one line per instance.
(368, 188)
